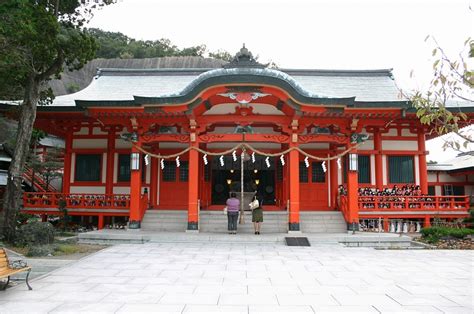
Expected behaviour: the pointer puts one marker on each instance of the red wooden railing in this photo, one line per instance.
(143, 204)
(38, 181)
(344, 207)
(413, 203)
(76, 200)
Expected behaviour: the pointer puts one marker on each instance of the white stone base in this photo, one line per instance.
(192, 231)
(294, 232)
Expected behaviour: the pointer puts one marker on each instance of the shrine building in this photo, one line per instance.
(176, 139)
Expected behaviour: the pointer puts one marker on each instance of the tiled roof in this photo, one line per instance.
(461, 161)
(123, 84)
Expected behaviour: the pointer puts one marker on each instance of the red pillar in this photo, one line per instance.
(352, 199)
(422, 163)
(378, 159)
(109, 181)
(427, 222)
(193, 218)
(135, 195)
(153, 181)
(100, 224)
(67, 162)
(294, 182)
(334, 179)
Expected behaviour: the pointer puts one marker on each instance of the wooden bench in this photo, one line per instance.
(7, 269)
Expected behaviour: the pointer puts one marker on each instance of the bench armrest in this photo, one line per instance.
(18, 264)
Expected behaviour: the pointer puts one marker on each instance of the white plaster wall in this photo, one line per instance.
(367, 145)
(416, 160)
(82, 131)
(444, 177)
(229, 108)
(431, 177)
(391, 132)
(121, 190)
(469, 190)
(406, 132)
(438, 190)
(98, 131)
(121, 144)
(400, 145)
(88, 189)
(173, 145)
(104, 167)
(372, 169)
(148, 173)
(73, 167)
(89, 143)
(158, 174)
(256, 145)
(384, 169)
(339, 175)
(315, 146)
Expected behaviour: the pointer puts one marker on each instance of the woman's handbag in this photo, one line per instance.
(254, 204)
(225, 210)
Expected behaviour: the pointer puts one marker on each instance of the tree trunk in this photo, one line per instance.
(12, 199)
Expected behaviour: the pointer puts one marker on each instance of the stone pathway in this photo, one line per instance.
(252, 278)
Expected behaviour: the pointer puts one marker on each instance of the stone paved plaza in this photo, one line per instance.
(252, 278)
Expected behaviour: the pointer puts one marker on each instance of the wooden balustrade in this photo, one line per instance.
(413, 203)
(76, 200)
(344, 206)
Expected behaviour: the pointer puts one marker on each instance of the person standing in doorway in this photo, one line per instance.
(257, 214)
(233, 207)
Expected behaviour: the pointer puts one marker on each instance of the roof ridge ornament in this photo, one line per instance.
(243, 59)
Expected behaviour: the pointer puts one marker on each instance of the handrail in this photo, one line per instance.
(344, 207)
(76, 200)
(414, 203)
(143, 204)
(38, 180)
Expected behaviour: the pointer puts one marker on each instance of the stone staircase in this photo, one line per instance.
(216, 222)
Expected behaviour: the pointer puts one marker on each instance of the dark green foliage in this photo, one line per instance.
(35, 233)
(222, 55)
(38, 39)
(117, 45)
(469, 221)
(40, 250)
(434, 234)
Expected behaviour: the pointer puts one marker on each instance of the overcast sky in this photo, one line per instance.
(336, 34)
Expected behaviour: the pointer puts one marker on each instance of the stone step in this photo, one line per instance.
(216, 221)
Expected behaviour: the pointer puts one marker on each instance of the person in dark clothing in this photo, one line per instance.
(233, 206)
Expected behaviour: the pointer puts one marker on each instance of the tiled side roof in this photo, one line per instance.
(123, 84)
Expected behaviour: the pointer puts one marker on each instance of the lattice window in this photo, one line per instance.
(317, 173)
(304, 175)
(88, 167)
(184, 171)
(169, 172)
(401, 169)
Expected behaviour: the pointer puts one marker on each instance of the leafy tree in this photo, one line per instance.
(37, 40)
(453, 80)
(221, 55)
(117, 45)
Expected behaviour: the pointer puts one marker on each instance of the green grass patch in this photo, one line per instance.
(434, 234)
(66, 249)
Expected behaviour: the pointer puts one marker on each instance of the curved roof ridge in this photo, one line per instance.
(263, 72)
(321, 72)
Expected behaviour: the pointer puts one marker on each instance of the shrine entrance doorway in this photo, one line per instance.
(258, 177)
